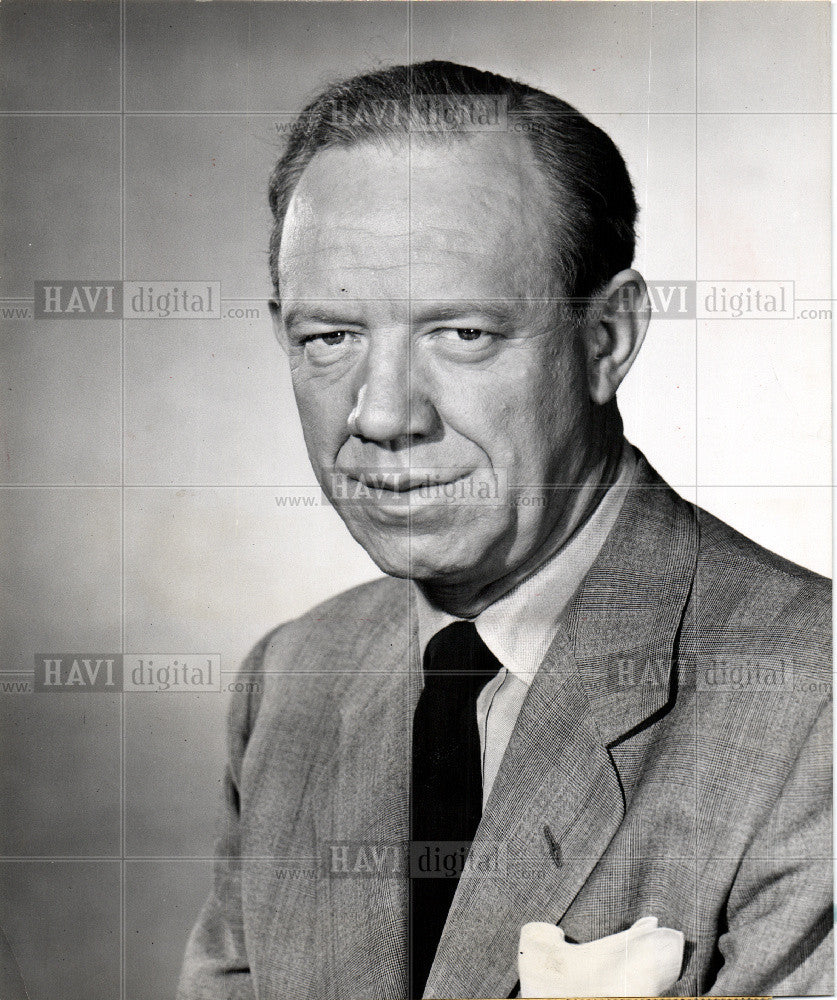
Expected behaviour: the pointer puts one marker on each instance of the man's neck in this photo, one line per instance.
(466, 600)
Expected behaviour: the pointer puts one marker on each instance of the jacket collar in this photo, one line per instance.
(624, 619)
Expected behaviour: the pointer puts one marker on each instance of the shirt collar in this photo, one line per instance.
(519, 627)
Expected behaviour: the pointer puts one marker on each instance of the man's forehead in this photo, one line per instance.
(413, 205)
(409, 183)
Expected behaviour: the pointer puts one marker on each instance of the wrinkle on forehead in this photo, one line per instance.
(334, 240)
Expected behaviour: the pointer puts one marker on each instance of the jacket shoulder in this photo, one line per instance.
(345, 617)
(316, 642)
(722, 548)
(745, 594)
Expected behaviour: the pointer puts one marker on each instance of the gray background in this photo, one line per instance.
(143, 460)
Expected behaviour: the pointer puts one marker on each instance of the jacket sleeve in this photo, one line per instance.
(778, 940)
(216, 966)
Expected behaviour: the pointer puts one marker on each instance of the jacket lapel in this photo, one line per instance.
(561, 791)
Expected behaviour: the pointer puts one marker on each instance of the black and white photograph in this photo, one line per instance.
(417, 490)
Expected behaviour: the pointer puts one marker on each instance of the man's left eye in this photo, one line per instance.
(466, 334)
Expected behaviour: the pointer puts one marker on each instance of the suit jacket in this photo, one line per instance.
(676, 742)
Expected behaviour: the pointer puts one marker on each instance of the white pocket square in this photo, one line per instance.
(643, 961)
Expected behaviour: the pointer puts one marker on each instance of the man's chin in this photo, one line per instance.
(434, 563)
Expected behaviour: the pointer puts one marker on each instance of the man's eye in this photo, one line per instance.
(331, 339)
(466, 343)
(330, 346)
(465, 335)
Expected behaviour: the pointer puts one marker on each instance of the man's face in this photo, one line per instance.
(415, 283)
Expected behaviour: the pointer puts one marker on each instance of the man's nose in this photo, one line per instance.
(392, 404)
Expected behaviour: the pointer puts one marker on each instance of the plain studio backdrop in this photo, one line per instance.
(146, 462)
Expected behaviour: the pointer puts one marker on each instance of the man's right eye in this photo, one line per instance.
(331, 339)
(330, 346)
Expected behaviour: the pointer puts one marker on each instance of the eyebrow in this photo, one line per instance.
(499, 310)
(423, 311)
(316, 313)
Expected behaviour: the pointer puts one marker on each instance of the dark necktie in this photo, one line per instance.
(446, 794)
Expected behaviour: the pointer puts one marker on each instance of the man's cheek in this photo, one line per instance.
(323, 409)
(485, 418)
(322, 440)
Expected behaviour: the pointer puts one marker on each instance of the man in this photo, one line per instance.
(611, 703)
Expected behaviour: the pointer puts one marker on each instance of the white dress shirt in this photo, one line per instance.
(520, 626)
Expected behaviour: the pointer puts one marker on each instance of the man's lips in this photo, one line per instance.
(405, 482)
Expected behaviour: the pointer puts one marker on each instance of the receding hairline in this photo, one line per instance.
(590, 196)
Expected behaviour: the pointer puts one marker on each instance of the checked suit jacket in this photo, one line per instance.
(675, 745)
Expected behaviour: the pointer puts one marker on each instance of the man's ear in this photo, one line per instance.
(615, 334)
(275, 307)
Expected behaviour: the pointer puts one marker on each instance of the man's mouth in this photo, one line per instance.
(415, 492)
(407, 481)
